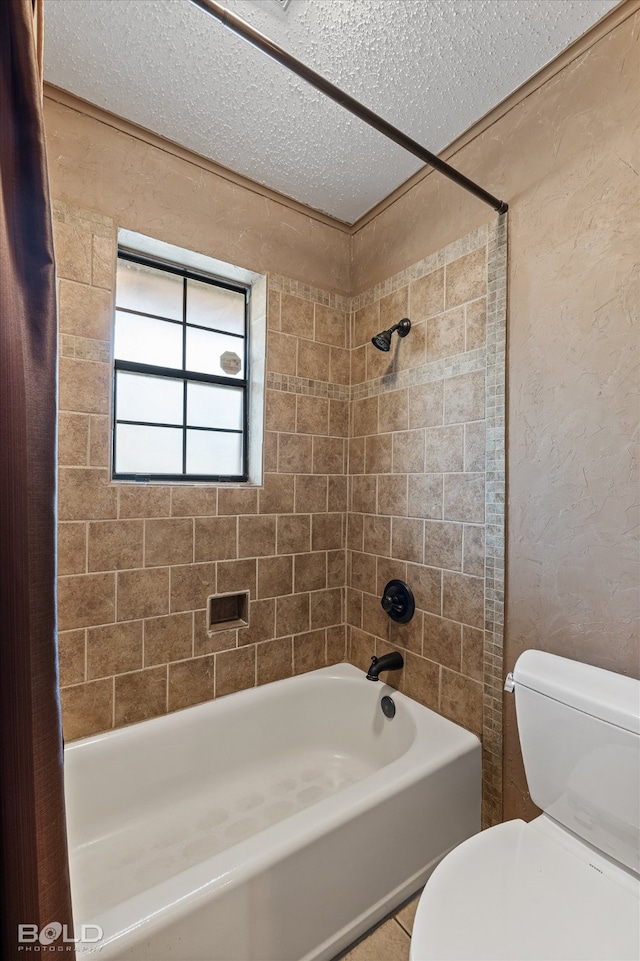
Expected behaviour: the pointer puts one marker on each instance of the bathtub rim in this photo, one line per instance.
(342, 671)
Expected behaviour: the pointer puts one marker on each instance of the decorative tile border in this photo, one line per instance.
(84, 348)
(285, 285)
(65, 213)
(435, 370)
(495, 486)
(302, 385)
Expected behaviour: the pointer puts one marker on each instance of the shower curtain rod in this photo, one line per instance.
(257, 39)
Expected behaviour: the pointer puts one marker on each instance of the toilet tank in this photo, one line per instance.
(579, 730)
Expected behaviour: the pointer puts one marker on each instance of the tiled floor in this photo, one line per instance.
(389, 941)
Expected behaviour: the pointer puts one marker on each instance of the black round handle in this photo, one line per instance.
(390, 603)
(398, 601)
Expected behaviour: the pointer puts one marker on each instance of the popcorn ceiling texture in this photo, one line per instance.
(430, 68)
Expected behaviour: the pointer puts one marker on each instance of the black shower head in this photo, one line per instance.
(383, 340)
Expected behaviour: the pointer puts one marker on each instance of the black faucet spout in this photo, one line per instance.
(388, 662)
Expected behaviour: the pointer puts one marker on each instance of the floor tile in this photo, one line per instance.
(407, 913)
(389, 942)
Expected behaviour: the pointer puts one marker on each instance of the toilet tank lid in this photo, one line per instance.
(592, 690)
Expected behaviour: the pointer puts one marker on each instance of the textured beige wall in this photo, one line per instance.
(155, 191)
(573, 570)
(567, 161)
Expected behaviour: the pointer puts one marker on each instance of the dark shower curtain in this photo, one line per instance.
(34, 879)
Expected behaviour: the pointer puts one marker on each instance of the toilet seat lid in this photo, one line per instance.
(527, 892)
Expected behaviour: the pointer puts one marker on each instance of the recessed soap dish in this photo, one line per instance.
(227, 611)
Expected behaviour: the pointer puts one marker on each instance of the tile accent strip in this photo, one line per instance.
(435, 370)
(493, 672)
(285, 285)
(302, 385)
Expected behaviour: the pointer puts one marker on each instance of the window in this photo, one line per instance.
(181, 374)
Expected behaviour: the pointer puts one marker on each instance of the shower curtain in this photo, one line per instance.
(34, 871)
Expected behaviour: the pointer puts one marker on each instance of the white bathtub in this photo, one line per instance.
(276, 824)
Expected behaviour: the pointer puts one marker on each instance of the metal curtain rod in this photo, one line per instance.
(257, 39)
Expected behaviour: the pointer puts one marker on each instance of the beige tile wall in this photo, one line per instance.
(426, 484)
(137, 564)
(398, 457)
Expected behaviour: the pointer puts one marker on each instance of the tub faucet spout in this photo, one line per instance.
(388, 662)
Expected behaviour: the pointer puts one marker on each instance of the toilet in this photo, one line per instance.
(567, 884)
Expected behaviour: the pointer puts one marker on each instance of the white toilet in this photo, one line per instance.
(566, 885)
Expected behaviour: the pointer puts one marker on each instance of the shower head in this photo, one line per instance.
(383, 340)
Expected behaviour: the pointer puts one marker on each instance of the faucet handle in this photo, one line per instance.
(390, 603)
(398, 602)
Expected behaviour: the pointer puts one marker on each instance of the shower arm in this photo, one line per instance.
(257, 39)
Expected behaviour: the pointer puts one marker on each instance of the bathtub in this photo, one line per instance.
(275, 824)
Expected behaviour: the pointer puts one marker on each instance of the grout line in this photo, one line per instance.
(402, 928)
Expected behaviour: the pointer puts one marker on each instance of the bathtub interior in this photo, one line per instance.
(147, 802)
(203, 803)
(144, 851)
(135, 770)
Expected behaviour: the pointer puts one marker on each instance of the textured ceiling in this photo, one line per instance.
(430, 67)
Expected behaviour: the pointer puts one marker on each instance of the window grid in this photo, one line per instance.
(186, 377)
